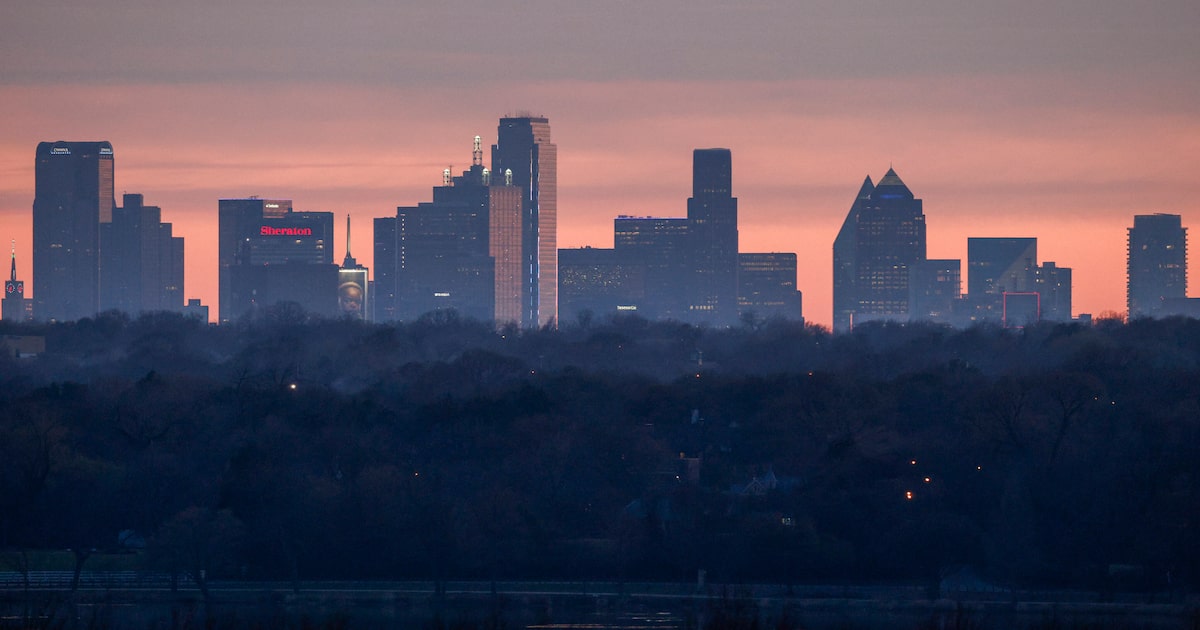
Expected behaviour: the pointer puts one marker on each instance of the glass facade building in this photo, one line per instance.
(524, 153)
(73, 196)
(662, 247)
(713, 233)
(934, 286)
(767, 286)
(594, 282)
(882, 237)
(1157, 263)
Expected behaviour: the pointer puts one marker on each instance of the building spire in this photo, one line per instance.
(348, 262)
(14, 260)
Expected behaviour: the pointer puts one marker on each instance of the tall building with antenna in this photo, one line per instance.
(464, 251)
(354, 299)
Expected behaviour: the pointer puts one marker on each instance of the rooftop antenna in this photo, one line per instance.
(348, 262)
(477, 154)
(14, 260)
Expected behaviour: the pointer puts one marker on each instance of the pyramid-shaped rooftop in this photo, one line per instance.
(891, 179)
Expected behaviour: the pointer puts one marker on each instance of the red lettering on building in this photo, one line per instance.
(267, 230)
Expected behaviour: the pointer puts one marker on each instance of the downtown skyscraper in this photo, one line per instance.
(267, 253)
(73, 196)
(1157, 265)
(881, 240)
(475, 248)
(713, 236)
(523, 147)
(686, 269)
(141, 260)
(462, 251)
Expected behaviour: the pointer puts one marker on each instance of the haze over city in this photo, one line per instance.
(1015, 119)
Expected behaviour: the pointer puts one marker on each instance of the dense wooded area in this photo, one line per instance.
(288, 448)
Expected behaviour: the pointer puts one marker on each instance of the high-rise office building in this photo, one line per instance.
(996, 266)
(1157, 263)
(141, 261)
(661, 246)
(523, 148)
(1007, 284)
(505, 239)
(267, 254)
(767, 286)
(465, 250)
(73, 196)
(442, 252)
(686, 268)
(1053, 285)
(594, 282)
(845, 260)
(934, 287)
(384, 298)
(713, 234)
(999, 265)
(882, 237)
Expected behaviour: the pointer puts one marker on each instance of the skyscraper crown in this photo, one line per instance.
(891, 187)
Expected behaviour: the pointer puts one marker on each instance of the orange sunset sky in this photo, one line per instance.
(1056, 120)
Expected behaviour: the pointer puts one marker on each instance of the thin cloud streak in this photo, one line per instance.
(368, 42)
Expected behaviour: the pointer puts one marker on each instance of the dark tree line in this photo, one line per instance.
(290, 448)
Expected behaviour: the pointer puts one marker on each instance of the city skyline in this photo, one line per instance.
(971, 278)
(1052, 122)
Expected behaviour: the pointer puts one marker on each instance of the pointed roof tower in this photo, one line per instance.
(867, 188)
(864, 194)
(14, 261)
(348, 262)
(892, 187)
(891, 178)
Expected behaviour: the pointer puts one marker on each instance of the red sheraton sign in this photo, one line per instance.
(267, 230)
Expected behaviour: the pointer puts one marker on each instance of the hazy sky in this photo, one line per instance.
(1059, 120)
